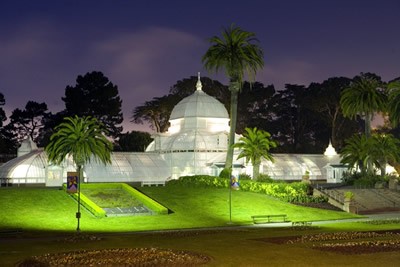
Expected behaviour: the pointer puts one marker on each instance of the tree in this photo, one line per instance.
(238, 53)
(255, 145)
(49, 124)
(134, 141)
(324, 98)
(94, 95)
(294, 125)
(384, 149)
(253, 106)
(357, 152)
(8, 144)
(81, 138)
(156, 112)
(187, 86)
(28, 122)
(394, 102)
(3, 116)
(364, 97)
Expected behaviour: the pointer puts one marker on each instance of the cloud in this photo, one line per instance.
(39, 61)
(146, 63)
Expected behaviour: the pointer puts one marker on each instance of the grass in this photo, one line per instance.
(41, 212)
(111, 198)
(49, 209)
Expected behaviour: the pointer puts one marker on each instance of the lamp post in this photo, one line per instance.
(78, 214)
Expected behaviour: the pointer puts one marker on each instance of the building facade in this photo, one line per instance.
(196, 143)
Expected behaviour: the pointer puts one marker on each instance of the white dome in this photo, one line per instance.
(199, 105)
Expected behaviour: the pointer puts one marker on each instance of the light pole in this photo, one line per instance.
(78, 214)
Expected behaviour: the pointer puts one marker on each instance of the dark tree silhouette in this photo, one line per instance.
(28, 122)
(94, 95)
(3, 116)
(134, 141)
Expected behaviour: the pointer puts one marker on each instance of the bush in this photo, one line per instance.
(281, 190)
(202, 180)
(362, 180)
(307, 199)
(225, 173)
(349, 195)
(244, 176)
(264, 178)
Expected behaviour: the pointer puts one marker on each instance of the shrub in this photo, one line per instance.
(362, 180)
(281, 190)
(202, 180)
(244, 176)
(348, 195)
(225, 173)
(307, 199)
(264, 178)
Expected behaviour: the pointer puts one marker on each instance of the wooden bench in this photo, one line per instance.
(150, 183)
(257, 219)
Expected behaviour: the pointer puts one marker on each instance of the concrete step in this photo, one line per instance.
(369, 200)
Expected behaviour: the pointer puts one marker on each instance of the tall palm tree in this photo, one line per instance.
(364, 97)
(82, 139)
(255, 145)
(394, 102)
(238, 53)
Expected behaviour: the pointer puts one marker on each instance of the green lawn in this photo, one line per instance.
(111, 198)
(50, 209)
(47, 210)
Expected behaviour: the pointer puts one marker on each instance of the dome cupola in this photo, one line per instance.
(199, 104)
(199, 111)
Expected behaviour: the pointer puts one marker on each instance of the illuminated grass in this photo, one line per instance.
(111, 198)
(50, 209)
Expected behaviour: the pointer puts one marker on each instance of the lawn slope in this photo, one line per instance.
(51, 209)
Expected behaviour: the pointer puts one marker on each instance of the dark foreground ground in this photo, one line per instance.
(271, 245)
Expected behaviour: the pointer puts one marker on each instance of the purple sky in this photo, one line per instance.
(144, 47)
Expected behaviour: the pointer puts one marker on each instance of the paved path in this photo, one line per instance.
(369, 217)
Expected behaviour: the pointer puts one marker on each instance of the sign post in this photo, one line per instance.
(73, 186)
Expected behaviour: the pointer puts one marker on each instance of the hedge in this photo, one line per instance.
(289, 192)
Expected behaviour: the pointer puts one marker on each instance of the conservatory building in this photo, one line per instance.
(196, 143)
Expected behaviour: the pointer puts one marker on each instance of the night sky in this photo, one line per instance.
(145, 47)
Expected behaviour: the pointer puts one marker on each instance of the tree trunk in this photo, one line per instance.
(78, 214)
(368, 119)
(256, 171)
(383, 169)
(234, 88)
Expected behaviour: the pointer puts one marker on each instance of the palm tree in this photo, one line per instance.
(238, 54)
(356, 152)
(364, 97)
(82, 139)
(384, 149)
(394, 102)
(255, 145)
